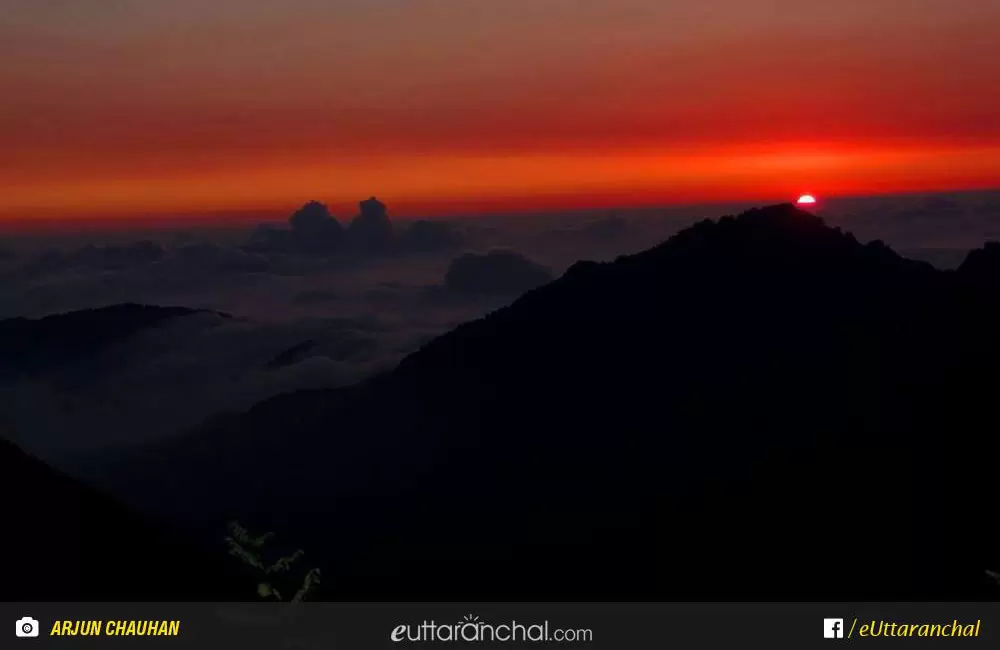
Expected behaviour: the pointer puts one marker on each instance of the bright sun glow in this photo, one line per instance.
(806, 199)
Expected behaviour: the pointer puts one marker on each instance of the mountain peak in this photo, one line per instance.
(982, 265)
(755, 372)
(774, 240)
(782, 223)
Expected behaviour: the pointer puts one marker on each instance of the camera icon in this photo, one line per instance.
(27, 628)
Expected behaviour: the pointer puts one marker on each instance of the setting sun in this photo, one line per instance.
(806, 199)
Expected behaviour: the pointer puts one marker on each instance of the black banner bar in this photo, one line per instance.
(618, 626)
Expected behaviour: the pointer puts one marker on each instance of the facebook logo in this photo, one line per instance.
(833, 628)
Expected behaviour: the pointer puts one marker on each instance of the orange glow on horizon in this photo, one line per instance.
(453, 183)
(187, 107)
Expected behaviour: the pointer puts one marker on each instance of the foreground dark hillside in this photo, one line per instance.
(64, 541)
(760, 407)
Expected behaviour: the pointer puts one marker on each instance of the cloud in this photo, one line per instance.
(166, 379)
(315, 229)
(361, 311)
(429, 237)
(315, 296)
(210, 257)
(301, 319)
(371, 229)
(104, 258)
(314, 217)
(956, 221)
(312, 230)
(499, 272)
(600, 231)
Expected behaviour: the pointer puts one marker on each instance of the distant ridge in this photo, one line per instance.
(29, 343)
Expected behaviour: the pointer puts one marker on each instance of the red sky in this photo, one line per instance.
(131, 107)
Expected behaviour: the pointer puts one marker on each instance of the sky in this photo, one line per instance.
(127, 108)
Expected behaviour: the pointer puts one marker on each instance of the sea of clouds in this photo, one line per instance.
(304, 312)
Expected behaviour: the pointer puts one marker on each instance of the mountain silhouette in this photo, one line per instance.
(28, 345)
(982, 266)
(65, 541)
(761, 407)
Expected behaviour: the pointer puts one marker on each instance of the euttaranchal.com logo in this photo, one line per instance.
(472, 630)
